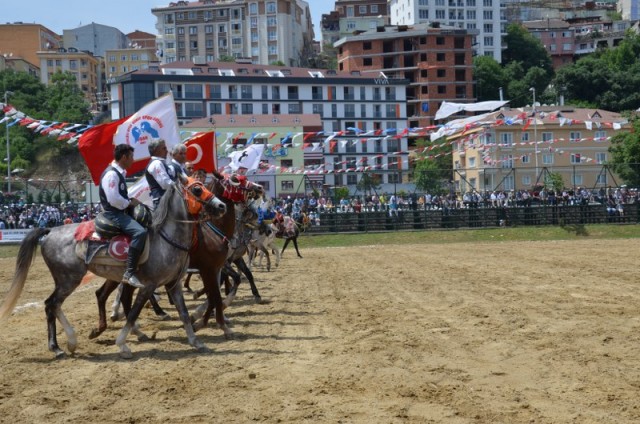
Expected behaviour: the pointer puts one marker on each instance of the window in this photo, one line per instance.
(193, 110)
(423, 14)
(275, 92)
(575, 158)
(524, 137)
(292, 92)
(506, 139)
(601, 157)
(362, 10)
(253, 8)
(286, 185)
(317, 109)
(440, 57)
(349, 111)
(247, 108)
(193, 30)
(577, 179)
(439, 14)
(390, 111)
(366, 45)
(547, 159)
(488, 41)
(471, 14)
(600, 136)
(441, 73)
(390, 93)
(271, 7)
(246, 91)
(525, 159)
(374, 8)
(575, 136)
(295, 108)
(487, 14)
(215, 108)
(547, 137)
(350, 12)
(526, 180)
(192, 91)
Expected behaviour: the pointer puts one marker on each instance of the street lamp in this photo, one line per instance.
(535, 129)
(6, 124)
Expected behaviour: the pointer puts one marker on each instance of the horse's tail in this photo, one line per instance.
(24, 260)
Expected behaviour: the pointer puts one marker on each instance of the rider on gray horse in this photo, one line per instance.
(158, 174)
(115, 201)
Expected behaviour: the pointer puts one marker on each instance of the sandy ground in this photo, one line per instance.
(544, 332)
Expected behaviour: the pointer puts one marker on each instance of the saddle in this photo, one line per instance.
(95, 249)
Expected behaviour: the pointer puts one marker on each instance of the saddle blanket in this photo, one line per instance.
(96, 250)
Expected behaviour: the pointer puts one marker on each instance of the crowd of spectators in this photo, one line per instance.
(20, 215)
(310, 205)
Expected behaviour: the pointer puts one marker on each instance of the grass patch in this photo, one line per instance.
(570, 232)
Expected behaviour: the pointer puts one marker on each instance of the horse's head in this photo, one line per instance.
(198, 196)
(237, 188)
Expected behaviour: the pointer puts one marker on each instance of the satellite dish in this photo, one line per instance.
(83, 194)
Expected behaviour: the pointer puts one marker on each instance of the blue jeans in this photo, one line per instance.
(130, 227)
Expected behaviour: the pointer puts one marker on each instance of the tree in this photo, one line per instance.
(523, 47)
(489, 78)
(368, 183)
(65, 101)
(625, 154)
(226, 58)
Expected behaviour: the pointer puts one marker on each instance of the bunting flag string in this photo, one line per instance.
(318, 141)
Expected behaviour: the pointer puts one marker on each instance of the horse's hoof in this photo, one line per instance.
(258, 299)
(229, 335)
(94, 333)
(126, 354)
(143, 338)
(60, 354)
(203, 349)
(164, 317)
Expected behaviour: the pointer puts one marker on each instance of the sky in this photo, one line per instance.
(126, 15)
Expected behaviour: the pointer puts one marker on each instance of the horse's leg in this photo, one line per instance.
(286, 243)
(295, 244)
(157, 309)
(115, 306)
(242, 266)
(266, 253)
(214, 301)
(102, 294)
(186, 282)
(132, 316)
(276, 252)
(53, 311)
(230, 292)
(174, 289)
(127, 300)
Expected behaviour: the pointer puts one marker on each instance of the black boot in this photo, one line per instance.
(132, 264)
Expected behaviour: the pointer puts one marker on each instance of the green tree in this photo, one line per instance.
(226, 58)
(489, 78)
(368, 183)
(625, 154)
(278, 63)
(523, 47)
(65, 101)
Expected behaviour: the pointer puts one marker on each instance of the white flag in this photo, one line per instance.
(248, 158)
(156, 119)
(140, 190)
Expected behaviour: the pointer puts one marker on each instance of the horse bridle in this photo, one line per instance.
(194, 205)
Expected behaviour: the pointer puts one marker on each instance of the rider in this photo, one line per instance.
(158, 174)
(115, 200)
(178, 160)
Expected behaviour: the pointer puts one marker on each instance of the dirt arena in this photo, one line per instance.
(544, 332)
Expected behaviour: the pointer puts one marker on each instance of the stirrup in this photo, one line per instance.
(132, 280)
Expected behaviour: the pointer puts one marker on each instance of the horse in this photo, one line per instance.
(287, 228)
(209, 256)
(170, 237)
(263, 241)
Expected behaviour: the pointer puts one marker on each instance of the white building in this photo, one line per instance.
(266, 31)
(486, 16)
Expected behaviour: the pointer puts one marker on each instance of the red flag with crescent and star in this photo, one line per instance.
(201, 151)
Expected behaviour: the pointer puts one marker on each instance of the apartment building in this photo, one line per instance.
(352, 16)
(86, 68)
(266, 31)
(485, 16)
(284, 159)
(94, 38)
(352, 107)
(573, 142)
(436, 61)
(25, 40)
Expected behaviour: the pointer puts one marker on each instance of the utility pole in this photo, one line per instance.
(535, 128)
(6, 124)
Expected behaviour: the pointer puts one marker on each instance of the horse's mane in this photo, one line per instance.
(162, 211)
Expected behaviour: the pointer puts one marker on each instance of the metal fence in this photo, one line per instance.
(473, 218)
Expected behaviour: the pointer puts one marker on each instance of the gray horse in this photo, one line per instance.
(170, 238)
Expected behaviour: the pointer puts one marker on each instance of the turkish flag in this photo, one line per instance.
(96, 147)
(201, 151)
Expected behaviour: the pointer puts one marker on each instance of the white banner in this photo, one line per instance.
(12, 236)
(156, 119)
(248, 158)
